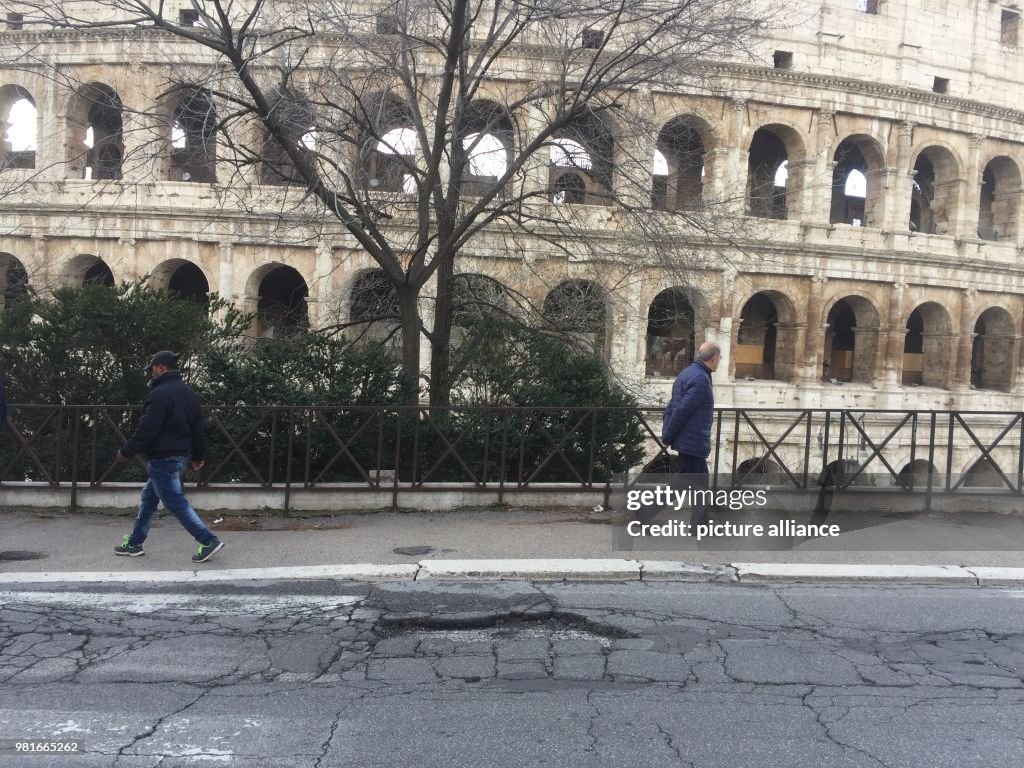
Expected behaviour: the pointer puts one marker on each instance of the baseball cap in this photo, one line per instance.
(164, 357)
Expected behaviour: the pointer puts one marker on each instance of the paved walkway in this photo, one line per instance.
(83, 542)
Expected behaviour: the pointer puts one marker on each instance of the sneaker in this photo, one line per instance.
(128, 549)
(206, 551)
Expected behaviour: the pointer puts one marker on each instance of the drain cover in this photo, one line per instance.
(412, 551)
(14, 554)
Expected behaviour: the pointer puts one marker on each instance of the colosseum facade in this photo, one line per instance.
(887, 273)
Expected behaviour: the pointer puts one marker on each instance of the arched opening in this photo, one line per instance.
(14, 285)
(584, 150)
(758, 471)
(992, 350)
(670, 333)
(183, 278)
(387, 158)
(766, 338)
(851, 341)
(856, 197)
(86, 268)
(678, 167)
(576, 309)
(95, 148)
(927, 347)
(99, 274)
(194, 138)
(373, 310)
(983, 474)
(475, 298)
(934, 195)
(915, 475)
(488, 139)
(296, 117)
(769, 186)
(20, 126)
(998, 209)
(281, 310)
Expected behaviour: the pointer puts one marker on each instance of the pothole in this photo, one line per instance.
(555, 627)
(413, 551)
(15, 554)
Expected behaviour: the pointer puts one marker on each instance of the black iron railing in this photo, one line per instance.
(505, 450)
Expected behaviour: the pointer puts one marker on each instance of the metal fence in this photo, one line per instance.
(505, 450)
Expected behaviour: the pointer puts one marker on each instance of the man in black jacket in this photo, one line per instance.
(170, 431)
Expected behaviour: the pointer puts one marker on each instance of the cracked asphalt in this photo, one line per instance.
(326, 674)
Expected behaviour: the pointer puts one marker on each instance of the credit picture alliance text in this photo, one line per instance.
(665, 496)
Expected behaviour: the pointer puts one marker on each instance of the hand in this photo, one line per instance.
(120, 457)
(196, 466)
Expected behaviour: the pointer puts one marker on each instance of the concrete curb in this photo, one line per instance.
(800, 572)
(556, 570)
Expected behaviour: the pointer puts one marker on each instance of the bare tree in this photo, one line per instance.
(421, 125)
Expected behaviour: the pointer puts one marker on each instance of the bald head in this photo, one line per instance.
(710, 354)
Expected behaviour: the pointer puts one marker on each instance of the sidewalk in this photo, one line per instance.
(83, 542)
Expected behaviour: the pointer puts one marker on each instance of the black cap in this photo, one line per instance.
(164, 357)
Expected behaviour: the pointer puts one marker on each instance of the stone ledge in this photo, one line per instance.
(801, 572)
(540, 569)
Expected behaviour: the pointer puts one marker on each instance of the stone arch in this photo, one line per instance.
(280, 293)
(577, 309)
(992, 350)
(191, 135)
(771, 189)
(475, 296)
(934, 197)
(95, 133)
(671, 324)
(489, 142)
(766, 338)
(851, 340)
(183, 277)
(983, 474)
(373, 309)
(679, 164)
(585, 151)
(86, 268)
(858, 165)
(19, 119)
(14, 284)
(758, 470)
(915, 475)
(1000, 199)
(928, 346)
(387, 146)
(296, 115)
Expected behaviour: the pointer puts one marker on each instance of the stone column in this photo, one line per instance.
(900, 183)
(968, 202)
(1017, 382)
(817, 193)
(894, 338)
(815, 335)
(960, 374)
(734, 170)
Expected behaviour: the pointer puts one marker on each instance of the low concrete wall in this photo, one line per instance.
(341, 498)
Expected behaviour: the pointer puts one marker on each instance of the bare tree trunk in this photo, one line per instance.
(441, 353)
(410, 317)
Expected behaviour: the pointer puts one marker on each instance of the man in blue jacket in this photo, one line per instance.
(687, 424)
(170, 431)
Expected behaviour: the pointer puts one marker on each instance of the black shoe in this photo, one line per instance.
(206, 551)
(128, 549)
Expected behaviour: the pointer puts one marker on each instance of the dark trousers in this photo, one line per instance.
(694, 471)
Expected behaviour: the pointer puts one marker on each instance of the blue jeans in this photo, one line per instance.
(164, 485)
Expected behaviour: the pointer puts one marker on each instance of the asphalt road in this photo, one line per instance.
(283, 675)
